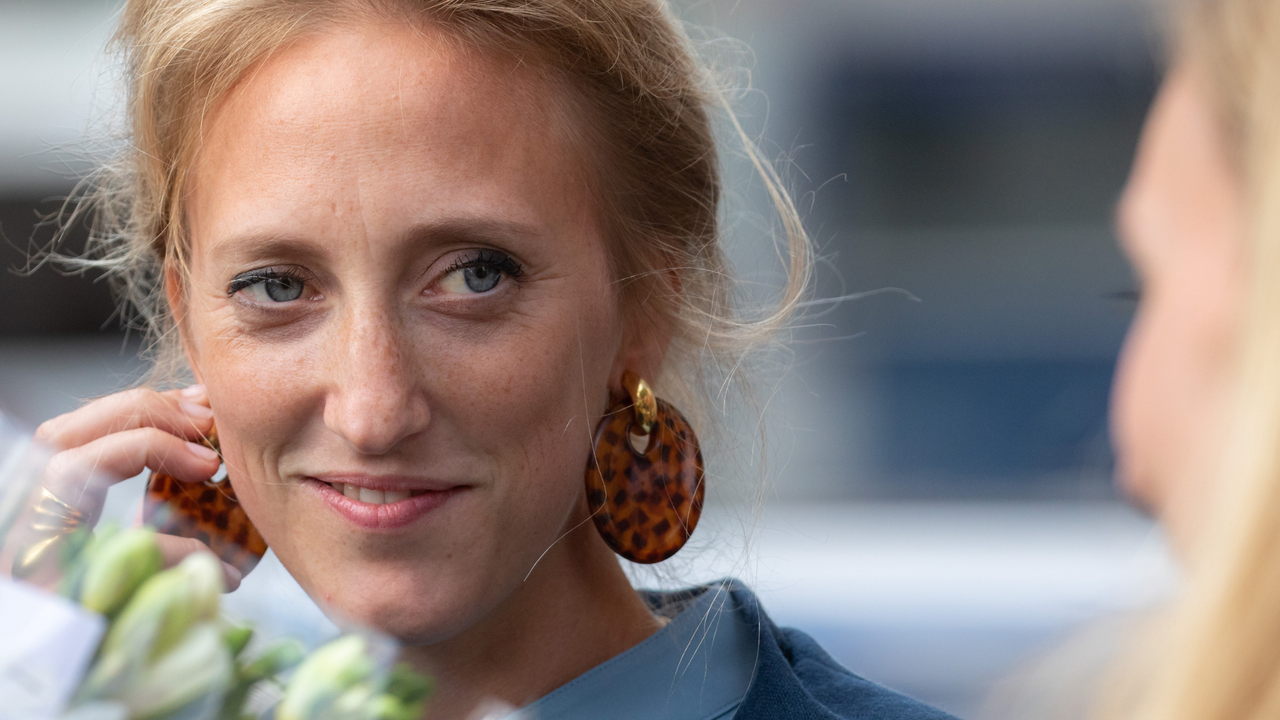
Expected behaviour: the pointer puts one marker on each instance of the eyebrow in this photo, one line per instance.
(449, 231)
(260, 245)
(466, 230)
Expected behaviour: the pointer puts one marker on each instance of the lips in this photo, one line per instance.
(371, 496)
(381, 503)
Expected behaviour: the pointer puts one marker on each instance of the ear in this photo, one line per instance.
(646, 335)
(642, 351)
(176, 295)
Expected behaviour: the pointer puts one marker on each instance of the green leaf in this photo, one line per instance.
(237, 637)
(408, 685)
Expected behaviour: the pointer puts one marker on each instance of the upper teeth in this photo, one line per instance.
(373, 497)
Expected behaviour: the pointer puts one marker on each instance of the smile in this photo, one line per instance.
(371, 496)
(382, 503)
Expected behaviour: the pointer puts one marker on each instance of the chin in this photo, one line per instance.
(1132, 475)
(407, 623)
(410, 605)
(1138, 484)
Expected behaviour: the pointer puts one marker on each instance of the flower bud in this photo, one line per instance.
(193, 676)
(324, 676)
(353, 703)
(69, 587)
(275, 659)
(171, 602)
(117, 569)
(154, 620)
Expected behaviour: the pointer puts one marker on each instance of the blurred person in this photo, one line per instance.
(1196, 399)
(1196, 405)
(429, 263)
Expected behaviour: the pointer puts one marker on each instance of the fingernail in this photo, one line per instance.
(195, 411)
(193, 391)
(202, 452)
(234, 576)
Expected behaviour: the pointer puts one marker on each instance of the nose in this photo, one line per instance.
(375, 400)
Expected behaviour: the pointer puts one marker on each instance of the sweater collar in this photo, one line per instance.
(697, 667)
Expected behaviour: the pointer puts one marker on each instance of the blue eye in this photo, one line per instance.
(269, 286)
(481, 279)
(480, 273)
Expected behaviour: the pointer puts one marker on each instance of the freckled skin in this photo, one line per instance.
(341, 145)
(1181, 222)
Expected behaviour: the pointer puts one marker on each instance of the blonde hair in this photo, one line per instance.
(1217, 656)
(646, 106)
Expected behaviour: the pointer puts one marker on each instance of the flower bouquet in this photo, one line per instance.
(93, 627)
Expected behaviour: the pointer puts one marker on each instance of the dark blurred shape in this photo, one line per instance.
(996, 425)
(987, 189)
(982, 144)
(50, 301)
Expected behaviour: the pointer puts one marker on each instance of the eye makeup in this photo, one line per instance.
(280, 284)
(488, 258)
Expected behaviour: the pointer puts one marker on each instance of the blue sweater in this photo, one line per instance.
(797, 680)
(720, 657)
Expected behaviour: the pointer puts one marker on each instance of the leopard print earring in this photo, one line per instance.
(645, 478)
(209, 512)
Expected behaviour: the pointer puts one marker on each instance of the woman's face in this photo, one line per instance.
(400, 302)
(1181, 226)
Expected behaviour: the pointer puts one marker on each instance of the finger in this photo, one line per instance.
(81, 476)
(174, 548)
(83, 470)
(186, 415)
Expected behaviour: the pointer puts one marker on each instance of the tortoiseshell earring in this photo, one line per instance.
(645, 477)
(209, 512)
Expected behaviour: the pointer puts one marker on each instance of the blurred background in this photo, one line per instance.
(942, 509)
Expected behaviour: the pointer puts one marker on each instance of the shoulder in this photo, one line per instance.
(796, 678)
(839, 692)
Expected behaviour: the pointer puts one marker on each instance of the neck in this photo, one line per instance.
(576, 610)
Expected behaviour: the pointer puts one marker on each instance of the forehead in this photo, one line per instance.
(385, 121)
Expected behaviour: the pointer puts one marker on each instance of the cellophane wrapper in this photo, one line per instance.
(94, 627)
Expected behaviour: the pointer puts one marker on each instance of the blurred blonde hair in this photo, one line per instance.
(1217, 655)
(643, 102)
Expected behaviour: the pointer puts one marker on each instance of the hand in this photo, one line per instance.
(119, 436)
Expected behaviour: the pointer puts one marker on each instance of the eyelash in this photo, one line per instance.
(501, 261)
(253, 277)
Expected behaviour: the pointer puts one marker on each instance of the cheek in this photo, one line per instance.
(528, 404)
(263, 399)
(1135, 401)
(1169, 393)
